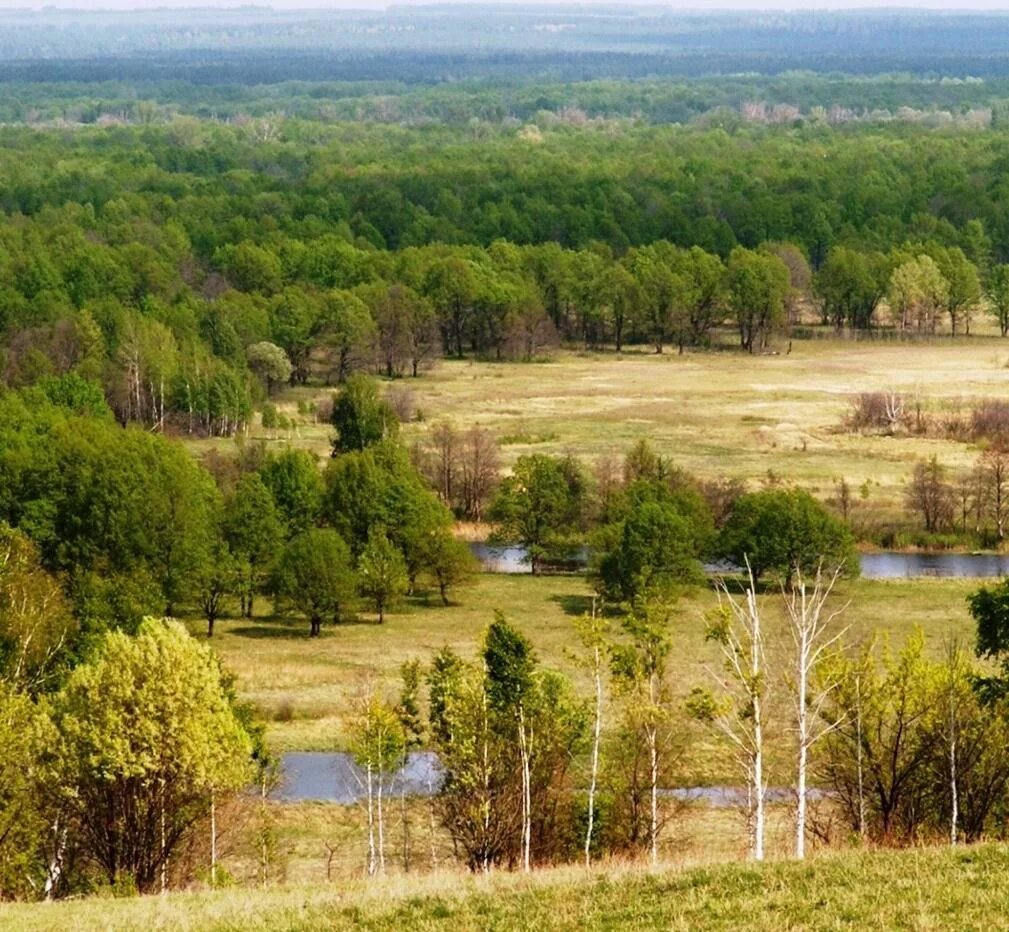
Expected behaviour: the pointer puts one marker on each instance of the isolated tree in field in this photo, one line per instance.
(381, 572)
(316, 575)
(540, 506)
(815, 632)
(740, 712)
(639, 670)
(361, 417)
(930, 494)
(378, 743)
(448, 561)
(147, 733)
(779, 530)
(37, 628)
(254, 533)
(270, 365)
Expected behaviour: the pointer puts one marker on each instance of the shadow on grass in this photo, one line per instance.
(582, 605)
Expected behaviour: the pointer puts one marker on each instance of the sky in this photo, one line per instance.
(964, 5)
(749, 5)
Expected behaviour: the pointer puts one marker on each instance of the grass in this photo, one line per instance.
(306, 688)
(717, 414)
(928, 888)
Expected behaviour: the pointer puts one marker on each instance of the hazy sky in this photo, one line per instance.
(964, 5)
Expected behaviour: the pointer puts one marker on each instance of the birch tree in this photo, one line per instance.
(593, 633)
(739, 714)
(378, 747)
(814, 632)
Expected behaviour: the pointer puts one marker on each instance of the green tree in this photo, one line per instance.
(295, 482)
(998, 296)
(381, 572)
(361, 417)
(315, 574)
(254, 533)
(448, 561)
(540, 506)
(780, 530)
(758, 285)
(148, 733)
(378, 746)
(270, 364)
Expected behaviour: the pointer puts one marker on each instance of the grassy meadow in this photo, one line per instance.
(929, 888)
(717, 414)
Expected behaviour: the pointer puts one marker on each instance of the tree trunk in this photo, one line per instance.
(372, 862)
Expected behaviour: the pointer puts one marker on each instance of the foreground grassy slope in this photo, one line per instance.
(934, 888)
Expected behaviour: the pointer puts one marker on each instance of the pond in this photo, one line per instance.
(889, 565)
(884, 565)
(319, 776)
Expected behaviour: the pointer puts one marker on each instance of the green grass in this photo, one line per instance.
(934, 888)
(306, 688)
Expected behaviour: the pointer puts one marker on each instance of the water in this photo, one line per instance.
(915, 565)
(334, 777)
(885, 565)
(317, 776)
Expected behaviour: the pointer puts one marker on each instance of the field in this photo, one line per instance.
(717, 414)
(306, 687)
(933, 888)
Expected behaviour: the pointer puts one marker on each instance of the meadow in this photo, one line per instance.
(716, 414)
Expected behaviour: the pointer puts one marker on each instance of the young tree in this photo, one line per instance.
(998, 296)
(930, 494)
(36, 625)
(593, 634)
(449, 562)
(215, 581)
(814, 633)
(381, 572)
(315, 574)
(740, 714)
(378, 746)
(509, 661)
(639, 670)
(147, 733)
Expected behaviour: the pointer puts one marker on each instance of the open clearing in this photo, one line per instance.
(717, 414)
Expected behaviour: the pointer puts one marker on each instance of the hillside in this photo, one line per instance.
(932, 888)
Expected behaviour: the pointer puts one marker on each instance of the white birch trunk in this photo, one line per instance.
(596, 735)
